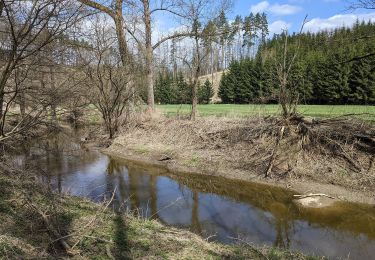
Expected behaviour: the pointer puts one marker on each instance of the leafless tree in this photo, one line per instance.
(115, 11)
(362, 4)
(26, 29)
(108, 82)
(127, 23)
(285, 62)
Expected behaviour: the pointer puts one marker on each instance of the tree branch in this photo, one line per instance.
(98, 6)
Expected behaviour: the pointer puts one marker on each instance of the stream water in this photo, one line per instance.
(223, 210)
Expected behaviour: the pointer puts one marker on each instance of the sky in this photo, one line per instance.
(322, 14)
(289, 14)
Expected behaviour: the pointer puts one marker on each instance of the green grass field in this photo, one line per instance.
(363, 112)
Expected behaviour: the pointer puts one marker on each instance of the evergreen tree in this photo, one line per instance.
(205, 92)
(361, 83)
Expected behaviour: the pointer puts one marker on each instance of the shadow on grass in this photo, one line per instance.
(21, 217)
(121, 237)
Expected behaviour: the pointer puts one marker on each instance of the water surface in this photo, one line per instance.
(214, 207)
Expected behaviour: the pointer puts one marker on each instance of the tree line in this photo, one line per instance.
(176, 90)
(328, 70)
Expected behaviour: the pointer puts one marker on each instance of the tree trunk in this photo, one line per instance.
(121, 38)
(1, 114)
(194, 99)
(195, 81)
(22, 104)
(54, 97)
(149, 56)
(3, 80)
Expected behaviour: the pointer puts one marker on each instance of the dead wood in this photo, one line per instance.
(313, 195)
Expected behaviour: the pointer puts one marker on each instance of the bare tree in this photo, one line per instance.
(115, 11)
(285, 63)
(112, 90)
(27, 27)
(142, 35)
(363, 4)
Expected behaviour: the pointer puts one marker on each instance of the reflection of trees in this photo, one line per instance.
(153, 196)
(282, 233)
(114, 167)
(57, 162)
(195, 224)
(133, 188)
(115, 174)
(264, 197)
(110, 186)
(122, 186)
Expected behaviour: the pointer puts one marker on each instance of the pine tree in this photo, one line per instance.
(205, 92)
(361, 82)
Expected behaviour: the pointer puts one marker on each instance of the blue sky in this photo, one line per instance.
(322, 14)
(289, 14)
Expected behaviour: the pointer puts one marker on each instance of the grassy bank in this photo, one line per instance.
(365, 112)
(35, 224)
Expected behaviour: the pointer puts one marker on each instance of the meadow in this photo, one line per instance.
(229, 110)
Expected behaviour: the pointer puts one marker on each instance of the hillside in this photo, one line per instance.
(215, 79)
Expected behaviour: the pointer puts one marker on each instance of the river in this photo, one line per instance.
(219, 209)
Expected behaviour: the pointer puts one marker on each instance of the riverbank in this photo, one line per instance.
(241, 149)
(36, 223)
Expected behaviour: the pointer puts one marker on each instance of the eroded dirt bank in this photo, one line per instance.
(242, 148)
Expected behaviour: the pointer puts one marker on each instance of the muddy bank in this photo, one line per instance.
(231, 148)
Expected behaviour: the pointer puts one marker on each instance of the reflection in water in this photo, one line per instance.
(209, 206)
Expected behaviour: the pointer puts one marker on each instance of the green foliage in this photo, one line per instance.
(326, 71)
(243, 82)
(169, 90)
(205, 92)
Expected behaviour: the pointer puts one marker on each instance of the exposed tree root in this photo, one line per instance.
(274, 151)
(339, 137)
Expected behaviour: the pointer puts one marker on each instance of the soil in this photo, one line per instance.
(233, 148)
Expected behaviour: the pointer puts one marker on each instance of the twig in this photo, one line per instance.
(169, 205)
(250, 245)
(208, 238)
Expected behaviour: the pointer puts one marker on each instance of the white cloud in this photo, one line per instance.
(276, 9)
(284, 9)
(278, 26)
(340, 20)
(259, 7)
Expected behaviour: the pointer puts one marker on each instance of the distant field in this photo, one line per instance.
(367, 112)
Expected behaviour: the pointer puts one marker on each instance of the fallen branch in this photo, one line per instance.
(313, 195)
